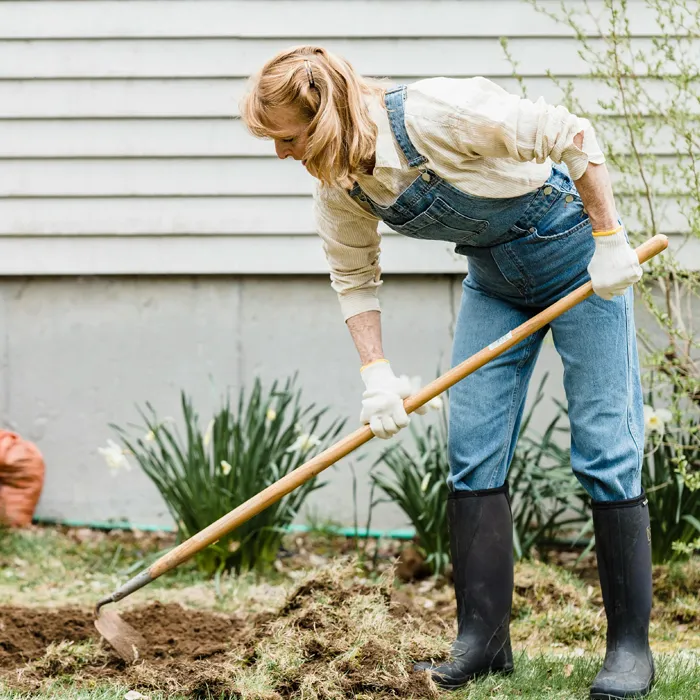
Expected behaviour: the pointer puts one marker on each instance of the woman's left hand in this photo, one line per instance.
(614, 265)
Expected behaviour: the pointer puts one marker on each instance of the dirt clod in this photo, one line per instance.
(174, 632)
(335, 636)
(26, 633)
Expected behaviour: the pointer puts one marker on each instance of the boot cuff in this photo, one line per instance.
(630, 503)
(480, 494)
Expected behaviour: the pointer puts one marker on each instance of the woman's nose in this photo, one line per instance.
(282, 150)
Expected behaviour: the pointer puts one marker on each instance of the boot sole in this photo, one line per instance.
(621, 696)
(506, 671)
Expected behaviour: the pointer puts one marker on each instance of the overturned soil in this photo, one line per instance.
(320, 643)
(184, 646)
(171, 631)
(337, 635)
(38, 646)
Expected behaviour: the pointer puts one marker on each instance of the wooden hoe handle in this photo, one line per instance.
(330, 456)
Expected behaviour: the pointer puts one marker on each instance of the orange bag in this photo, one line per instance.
(21, 479)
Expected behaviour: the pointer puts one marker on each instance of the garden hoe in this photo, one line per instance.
(129, 644)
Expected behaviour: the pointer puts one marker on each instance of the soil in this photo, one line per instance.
(193, 653)
(205, 654)
(180, 643)
(171, 632)
(25, 633)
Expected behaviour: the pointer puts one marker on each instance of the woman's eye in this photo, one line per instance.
(288, 140)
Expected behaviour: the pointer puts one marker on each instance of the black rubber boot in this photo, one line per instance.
(623, 548)
(481, 542)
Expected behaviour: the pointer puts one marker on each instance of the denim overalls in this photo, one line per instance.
(523, 254)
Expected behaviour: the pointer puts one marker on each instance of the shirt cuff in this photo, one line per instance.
(358, 301)
(577, 159)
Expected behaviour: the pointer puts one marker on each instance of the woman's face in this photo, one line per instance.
(295, 129)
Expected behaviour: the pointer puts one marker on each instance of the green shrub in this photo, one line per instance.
(546, 498)
(669, 477)
(647, 92)
(418, 485)
(204, 475)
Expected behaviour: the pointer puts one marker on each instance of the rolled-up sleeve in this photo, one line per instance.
(491, 122)
(351, 243)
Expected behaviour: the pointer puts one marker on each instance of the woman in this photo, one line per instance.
(522, 190)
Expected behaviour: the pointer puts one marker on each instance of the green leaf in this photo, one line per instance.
(189, 477)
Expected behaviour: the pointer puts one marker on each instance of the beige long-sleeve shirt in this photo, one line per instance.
(477, 136)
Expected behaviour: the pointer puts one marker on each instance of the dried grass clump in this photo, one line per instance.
(539, 588)
(339, 636)
(67, 658)
(676, 580)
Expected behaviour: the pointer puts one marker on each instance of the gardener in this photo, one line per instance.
(522, 191)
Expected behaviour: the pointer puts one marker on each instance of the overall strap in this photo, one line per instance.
(394, 101)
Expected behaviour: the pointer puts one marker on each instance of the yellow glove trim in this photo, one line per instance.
(374, 362)
(612, 232)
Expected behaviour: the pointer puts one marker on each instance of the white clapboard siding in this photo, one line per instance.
(157, 215)
(211, 216)
(231, 58)
(162, 138)
(214, 177)
(129, 138)
(119, 99)
(120, 147)
(219, 98)
(288, 254)
(293, 19)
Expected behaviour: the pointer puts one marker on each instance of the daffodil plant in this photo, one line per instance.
(547, 501)
(245, 447)
(644, 100)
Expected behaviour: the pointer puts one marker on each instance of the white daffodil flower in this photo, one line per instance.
(655, 419)
(416, 385)
(270, 415)
(115, 457)
(437, 404)
(225, 467)
(304, 443)
(150, 436)
(208, 433)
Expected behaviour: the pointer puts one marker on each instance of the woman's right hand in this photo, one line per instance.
(382, 401)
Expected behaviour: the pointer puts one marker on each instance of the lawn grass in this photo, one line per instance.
(59, 567)
(549, 678)
(538, 678)
(558, 628)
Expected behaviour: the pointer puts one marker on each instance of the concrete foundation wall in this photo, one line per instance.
(80, 353)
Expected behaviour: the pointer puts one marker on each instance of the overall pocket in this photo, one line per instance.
(441, 222)
(553, 254)
(564, 218)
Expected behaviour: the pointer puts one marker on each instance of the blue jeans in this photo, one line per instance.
(524, 253)
(596, 341)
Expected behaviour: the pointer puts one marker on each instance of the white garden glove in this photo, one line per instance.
(382, 404)
(382, 401)
(614, 265)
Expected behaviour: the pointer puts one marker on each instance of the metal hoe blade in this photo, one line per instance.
(123, 638)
